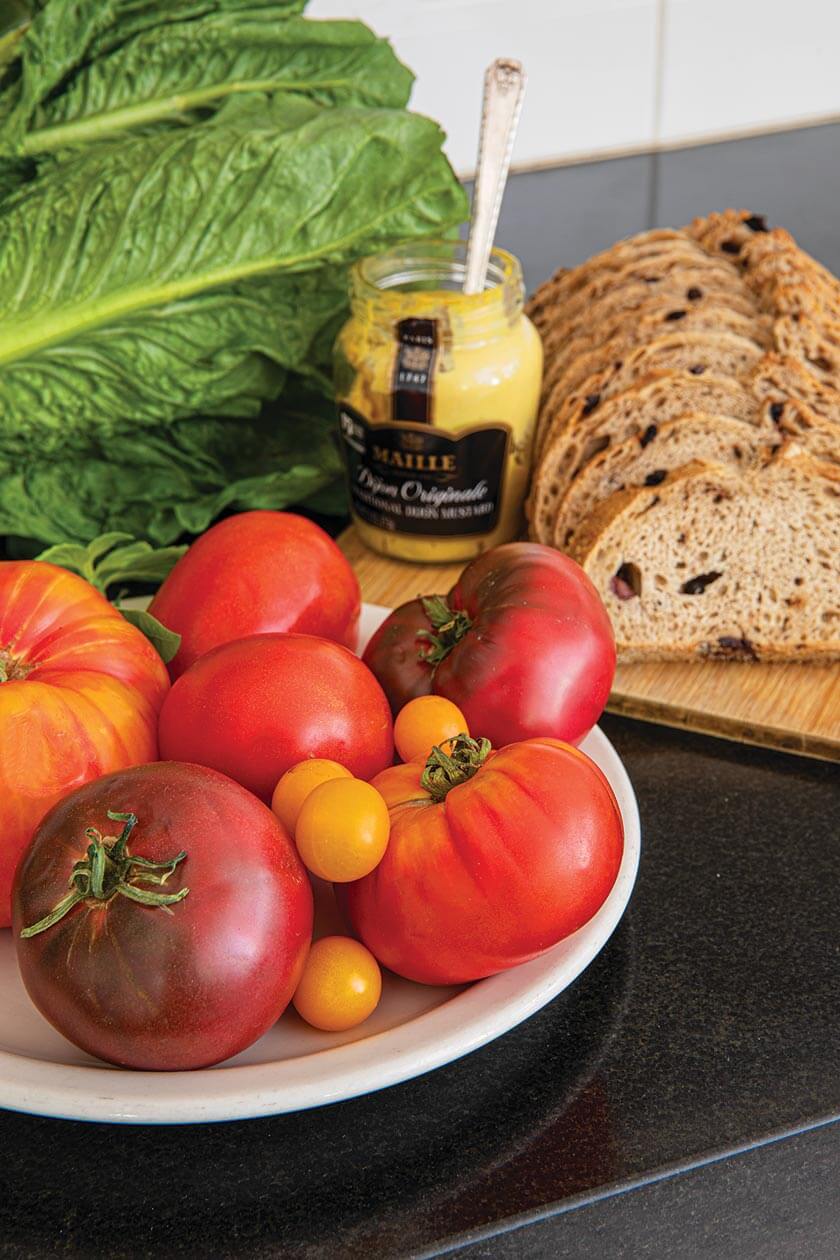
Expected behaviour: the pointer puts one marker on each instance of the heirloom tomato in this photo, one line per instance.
(258, 573)
(296, 784)
(522, 644)
(162, 917)
(492, 859)
(342, 830)
(255, 708)
(80, 691)
(425, 722)
(341, 985)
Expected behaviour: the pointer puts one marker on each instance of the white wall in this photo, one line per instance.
(615, 75)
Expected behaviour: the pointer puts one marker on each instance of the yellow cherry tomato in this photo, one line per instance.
(297, 783)
(342, 830)
(341, 984)
(425, 722)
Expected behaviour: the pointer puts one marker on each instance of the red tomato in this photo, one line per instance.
(255, 708)
(256, 573)
(502, 866)
(152, 987)
(522, 644)
(80, 691)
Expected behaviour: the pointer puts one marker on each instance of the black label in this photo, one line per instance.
(411, 388)
(410, 479)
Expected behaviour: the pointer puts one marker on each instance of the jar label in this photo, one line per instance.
(414, 367)
(413, 479)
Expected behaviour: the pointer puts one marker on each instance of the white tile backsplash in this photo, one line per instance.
(731, 66)
(591, 68)
(608, 76)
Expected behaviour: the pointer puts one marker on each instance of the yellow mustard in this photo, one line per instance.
(437, 394)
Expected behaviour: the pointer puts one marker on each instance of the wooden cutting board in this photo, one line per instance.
(792, 707)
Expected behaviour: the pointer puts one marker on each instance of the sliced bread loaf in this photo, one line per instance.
(649, 326)
(677, 292)
(612, 371)
(576, 436)
(714, 563)
(647, 459)
(686, 279)
(564, 282)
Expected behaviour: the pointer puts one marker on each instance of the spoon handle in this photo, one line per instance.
(504, 87)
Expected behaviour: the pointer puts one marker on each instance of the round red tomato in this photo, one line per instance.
(80, 691)
(256, 573)
(490, 861)
(255, 708)
(522, 644)
(193, 942)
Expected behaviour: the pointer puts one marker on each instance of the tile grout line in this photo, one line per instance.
(658, 94)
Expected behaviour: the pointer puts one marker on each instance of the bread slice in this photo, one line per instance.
(566, 281)
(726, 232)
(815, 345)
(720, 354)
(784, 276)
(816, 435)
(633, 302)
(685, 279)
(647, 460)
(777, 379)
(714, 563)
(580, 434)
(652, 324)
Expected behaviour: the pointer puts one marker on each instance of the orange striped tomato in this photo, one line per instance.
(80, 691)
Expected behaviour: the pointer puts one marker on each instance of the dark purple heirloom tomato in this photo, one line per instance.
(162, 917)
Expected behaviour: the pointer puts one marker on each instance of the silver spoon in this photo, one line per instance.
(504, 87)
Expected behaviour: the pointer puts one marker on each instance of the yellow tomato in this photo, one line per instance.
(342, 830)
(297, 783)
(425, 722)
(341, 984)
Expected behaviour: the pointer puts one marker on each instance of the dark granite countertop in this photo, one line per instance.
(708, 1025)
(635, 1116)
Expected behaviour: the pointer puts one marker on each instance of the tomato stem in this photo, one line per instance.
(446, 770)
(11, 669)
(108, 870)
(448, 629)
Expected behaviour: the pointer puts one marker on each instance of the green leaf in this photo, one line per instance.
(114, 558)
(159, 484)
(143, 282)
(15, 18)
(168, 72)
(65, 34)
(166, 642)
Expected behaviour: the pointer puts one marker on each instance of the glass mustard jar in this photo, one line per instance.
(437, 395)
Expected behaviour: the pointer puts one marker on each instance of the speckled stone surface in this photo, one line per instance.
(708, 1024)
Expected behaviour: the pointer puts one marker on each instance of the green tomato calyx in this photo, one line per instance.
(448, 768)
(108, 870)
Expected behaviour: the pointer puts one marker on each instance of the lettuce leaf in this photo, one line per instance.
(163, 483)
(178, 272)
(168, 73)
(183, 184)
(66, 34)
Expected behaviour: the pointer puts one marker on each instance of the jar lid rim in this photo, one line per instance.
(394, 268)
